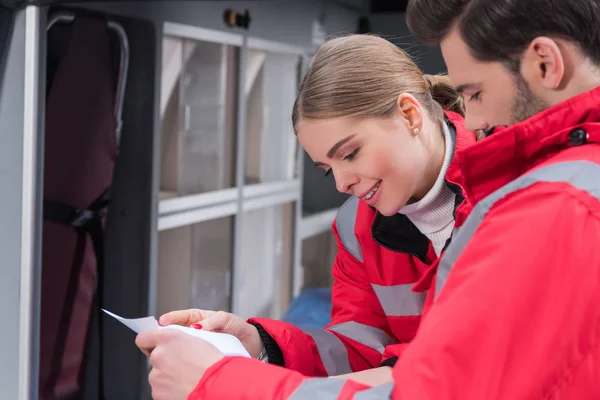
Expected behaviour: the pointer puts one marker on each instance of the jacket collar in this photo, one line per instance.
(509, 152)
(397, 232)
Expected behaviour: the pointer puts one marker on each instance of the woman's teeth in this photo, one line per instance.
(372, 192)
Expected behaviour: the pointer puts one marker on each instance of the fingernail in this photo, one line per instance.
(197, 326)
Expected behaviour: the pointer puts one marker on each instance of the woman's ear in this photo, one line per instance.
(409, 110)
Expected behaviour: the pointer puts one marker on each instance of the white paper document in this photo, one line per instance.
(138, 325)
(225, 343)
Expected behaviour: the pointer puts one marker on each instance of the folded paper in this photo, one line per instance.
(225, 343)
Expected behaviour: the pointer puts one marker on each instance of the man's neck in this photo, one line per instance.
(585, 78)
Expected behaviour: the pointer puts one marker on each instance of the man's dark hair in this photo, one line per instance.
(431, 20)
(500, 30)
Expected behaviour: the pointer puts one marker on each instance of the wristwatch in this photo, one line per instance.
(263, 356)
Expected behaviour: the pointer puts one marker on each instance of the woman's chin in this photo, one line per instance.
(386, 211)
(388, 208)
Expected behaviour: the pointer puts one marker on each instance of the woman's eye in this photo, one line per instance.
(476, 96)
(328, 172)
(352, 155)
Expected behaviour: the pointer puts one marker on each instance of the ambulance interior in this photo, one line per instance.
(149, 165)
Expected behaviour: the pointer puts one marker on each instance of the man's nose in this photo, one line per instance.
(475, 123)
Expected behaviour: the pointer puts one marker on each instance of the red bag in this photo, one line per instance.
(80, 154)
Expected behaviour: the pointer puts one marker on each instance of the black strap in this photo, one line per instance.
(86, 222)
(77, 218)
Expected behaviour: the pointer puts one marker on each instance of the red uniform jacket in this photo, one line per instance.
(517, 307)
(376, 308)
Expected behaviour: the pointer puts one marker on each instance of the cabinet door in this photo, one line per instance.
(199, 116)
(198, 110)
(263, 279)
(271, 82)
(195, 266)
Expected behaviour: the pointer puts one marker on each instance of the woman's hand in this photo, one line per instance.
(217, 321)
(178, 361)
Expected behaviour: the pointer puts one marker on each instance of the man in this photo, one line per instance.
(517, 309)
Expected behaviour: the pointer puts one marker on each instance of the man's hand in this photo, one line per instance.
(217, 321)
(371, 377)
(178, 362)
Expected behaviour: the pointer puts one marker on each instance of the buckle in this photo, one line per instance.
(82, 217)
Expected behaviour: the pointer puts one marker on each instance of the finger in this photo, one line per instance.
(157, 357)
(154, 381)
(147, 341)
(153, 377)
(217, 322)
(184, 317)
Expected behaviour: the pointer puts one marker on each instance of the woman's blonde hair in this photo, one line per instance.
(362, 76)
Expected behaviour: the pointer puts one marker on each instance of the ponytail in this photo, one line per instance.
(444, 94)
(362, 76)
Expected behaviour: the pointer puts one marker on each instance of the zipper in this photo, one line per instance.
(399, 251)
(403, 252)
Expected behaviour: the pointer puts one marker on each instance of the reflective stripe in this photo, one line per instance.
(367, 335)
(319, 389)
(344, 222)
(380, 392)
(331, 389)
(399, 300)
(332, 351)
(583, 175)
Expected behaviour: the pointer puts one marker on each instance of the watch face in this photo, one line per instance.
(263, 356)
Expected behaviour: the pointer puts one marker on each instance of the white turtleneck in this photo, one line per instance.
(433, 214)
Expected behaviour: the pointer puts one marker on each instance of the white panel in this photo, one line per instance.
(317, 223)
(30, 263)
(196, 201)
(298, 272)
(275, 47)
(240, 163)
(269, 201)
(197, 33)
(265, 189)
(192, 217)
(255, 276)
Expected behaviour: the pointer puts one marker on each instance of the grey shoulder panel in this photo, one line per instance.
(345, 222)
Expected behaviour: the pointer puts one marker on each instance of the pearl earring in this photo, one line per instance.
(416, 130)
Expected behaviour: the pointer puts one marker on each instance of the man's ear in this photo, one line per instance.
(543, 64)
(410, 111)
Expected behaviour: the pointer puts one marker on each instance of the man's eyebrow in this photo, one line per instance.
(337, 146)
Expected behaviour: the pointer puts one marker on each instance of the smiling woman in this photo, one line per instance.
(366, 114)
(353, 118)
